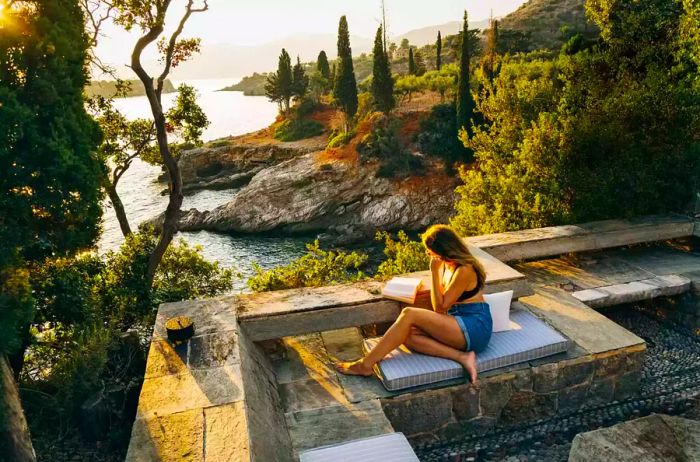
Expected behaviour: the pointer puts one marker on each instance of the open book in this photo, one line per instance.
(402, 289)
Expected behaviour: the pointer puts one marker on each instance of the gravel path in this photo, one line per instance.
(670, 385)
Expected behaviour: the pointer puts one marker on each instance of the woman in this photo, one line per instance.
(458, 327)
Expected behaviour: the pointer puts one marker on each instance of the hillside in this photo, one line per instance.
(427, 35)
(108, 88)
(549, 23)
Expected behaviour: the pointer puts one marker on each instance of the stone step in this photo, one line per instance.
(635, 291)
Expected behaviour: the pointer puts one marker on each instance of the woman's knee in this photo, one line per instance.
(408, 314)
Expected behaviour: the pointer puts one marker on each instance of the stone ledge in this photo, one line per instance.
(557, 240)
(660, 286)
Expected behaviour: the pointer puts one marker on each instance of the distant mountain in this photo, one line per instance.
(549, 23)
(426, 35)
(223, 60)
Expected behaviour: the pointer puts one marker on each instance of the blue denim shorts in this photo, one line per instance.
(475, 321)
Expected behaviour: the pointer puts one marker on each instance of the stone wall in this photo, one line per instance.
(525, 393)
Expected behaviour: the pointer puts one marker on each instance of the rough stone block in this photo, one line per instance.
(526, 405)
(318, 427)
(602, 391)
(172, 438)
(656, 438)
(628, 385)
(575, 372)
(546, 377)
(630, 292)
(493, 396)
(420, 412)
(209, 316)
(465, 402)
(609, 365)
(634, 361)
(226, 433)
(200, 352)
(573, 397)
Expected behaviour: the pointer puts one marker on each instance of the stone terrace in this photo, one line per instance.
(238, 392)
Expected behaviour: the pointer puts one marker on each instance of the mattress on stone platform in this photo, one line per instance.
(390, 447)
(530, 338)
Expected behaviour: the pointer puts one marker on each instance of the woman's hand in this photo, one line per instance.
(435, 264)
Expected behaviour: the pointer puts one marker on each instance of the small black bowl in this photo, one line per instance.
(179, 329)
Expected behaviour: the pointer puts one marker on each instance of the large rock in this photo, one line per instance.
(303, 194)
(656, 438)
(232, 162)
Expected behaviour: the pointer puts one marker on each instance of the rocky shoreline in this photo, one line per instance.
(292, 188)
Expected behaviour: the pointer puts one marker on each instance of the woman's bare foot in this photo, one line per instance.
(468, 361)
(355, 368)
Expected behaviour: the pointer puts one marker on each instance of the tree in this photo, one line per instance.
(419, 63)
(300, 81)
(489, 61)
(382, 81)
(322, 65)
(345, 89)
(411, 62)
(150, 19)
(438, 47)
(404, 45)
(50, 199)
(465, 102)
(279, 86)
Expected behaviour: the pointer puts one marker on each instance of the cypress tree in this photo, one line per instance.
(300, 81)
(465, 104)
(438, 46)
(382, 82)
(419, 63)
(491, 50)
(279, 87)
(411, 62)
(322, 65)
(345, 89)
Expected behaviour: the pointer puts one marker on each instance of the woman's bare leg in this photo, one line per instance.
(441, 327)
(422, 343)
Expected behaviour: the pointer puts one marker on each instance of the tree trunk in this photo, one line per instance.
(118, 208)
(15, 442)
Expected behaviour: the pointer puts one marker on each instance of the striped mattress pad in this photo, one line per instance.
(392, 447)
(529, 338)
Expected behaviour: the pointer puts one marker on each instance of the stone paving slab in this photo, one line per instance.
(655, 438)
(660, 261)
(557, 240)
(172, 438)
(587, 328)
(209, 316)
(647, 289)
(170, 394)
(336, 424)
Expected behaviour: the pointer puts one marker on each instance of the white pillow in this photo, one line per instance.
(500, 309)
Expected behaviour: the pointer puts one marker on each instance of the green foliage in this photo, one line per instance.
(438, 136)
(465, 102)
(16, 307)
(322, 65)
(382, 81)
(382, 144)
(411, 62)
(403, 255)
(50, 199)
(279, 86)
(438, 52)
(345, 85)
(297, 126)
(300, 81)
(573, 138)
(186, 119)
(407, 85)
(340, 138)
(317, 267)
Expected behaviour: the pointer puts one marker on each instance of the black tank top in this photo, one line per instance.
(467, 294)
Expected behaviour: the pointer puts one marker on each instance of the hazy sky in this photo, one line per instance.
(260, 21)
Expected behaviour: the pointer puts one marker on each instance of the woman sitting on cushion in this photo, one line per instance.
(458, 327)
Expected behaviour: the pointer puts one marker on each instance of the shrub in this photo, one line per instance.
(297, 129)
(383, 144)
(402, 255)
(339, 138)
(438, 136)
(316, 268)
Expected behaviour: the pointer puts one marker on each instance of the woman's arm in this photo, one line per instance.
(436, 287)
(444, 298)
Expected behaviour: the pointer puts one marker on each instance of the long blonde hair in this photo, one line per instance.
(444, 241)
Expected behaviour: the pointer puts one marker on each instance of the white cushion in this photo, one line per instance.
(499, 304)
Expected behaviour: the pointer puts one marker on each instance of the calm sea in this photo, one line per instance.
(230, 113)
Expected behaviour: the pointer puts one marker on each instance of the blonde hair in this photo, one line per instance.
(445, 242)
